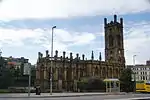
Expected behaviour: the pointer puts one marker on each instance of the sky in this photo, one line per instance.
(25, 27)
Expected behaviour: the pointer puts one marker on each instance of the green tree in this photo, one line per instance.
(17, 73)
(82, 83)
(6, 76)
(2, 62)
(126, 80)
(91, 84)
(96, 84)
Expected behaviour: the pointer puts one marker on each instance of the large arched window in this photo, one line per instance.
(119, 40)
(110, 40)
(96, 70)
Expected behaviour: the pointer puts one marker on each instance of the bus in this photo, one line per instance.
(143, 86)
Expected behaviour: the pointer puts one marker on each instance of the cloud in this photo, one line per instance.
(14, 37)
(21, 9)
(62, 38)
(137, 42)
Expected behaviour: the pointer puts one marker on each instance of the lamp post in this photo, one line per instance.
(51, 67)
(134, 59)
(134, 74)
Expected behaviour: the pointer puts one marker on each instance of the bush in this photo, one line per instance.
(4, 91)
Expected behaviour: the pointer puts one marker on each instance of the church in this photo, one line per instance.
(68, 70)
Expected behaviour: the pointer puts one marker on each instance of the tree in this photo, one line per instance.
(126, 80)
(17, 73)
(6, 76)
(2, 62)
(96, 84)
(82, 83)
(91, 84)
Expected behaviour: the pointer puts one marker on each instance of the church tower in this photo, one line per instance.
(114, 46)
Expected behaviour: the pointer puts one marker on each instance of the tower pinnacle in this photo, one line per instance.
(92, 56)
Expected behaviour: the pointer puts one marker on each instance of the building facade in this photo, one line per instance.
(17, 63)
(68, 70)
(142, 72)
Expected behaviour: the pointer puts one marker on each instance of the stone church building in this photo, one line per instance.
(67, 70)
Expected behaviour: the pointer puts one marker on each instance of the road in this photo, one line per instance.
(102, 97)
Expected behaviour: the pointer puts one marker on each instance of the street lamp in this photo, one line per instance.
(51, 67)
(134, 59)
(134, 74)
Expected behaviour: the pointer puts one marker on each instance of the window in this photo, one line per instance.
(143, 77)
(118, 40)
(96, 70)
(146, 78)
(110, 40)
(110, 30)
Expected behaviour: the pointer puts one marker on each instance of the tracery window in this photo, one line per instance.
(118, 40)
(110, 40)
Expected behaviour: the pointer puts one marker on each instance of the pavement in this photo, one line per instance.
(47, 95)
(98, 97)
(76, 96)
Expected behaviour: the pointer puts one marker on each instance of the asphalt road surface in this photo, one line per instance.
(104, 97)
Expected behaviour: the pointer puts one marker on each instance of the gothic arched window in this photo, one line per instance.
(119, 40)
(110, 40)
(96, 70)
